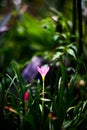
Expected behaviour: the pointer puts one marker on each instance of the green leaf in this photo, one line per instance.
(66, 124)
(45, 99)
(57, 55)
(71, 108)
(61, 47)
(74, 48)
(71, 52)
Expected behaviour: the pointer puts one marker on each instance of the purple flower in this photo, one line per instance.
(30, 73)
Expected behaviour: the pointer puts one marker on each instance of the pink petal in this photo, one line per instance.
(43, 70)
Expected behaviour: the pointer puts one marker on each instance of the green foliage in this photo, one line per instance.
(65, 99)
(79, 116)
(63, 109)
(65, 50)
(25, 38)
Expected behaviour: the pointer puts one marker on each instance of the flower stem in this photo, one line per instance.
(43, 80)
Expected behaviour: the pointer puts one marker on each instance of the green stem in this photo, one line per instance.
(43, 80)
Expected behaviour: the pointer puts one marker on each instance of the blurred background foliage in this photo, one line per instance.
(29, 27)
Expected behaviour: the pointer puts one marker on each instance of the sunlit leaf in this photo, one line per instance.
(45, 99)
(57, 55)
(70, 108)
(66, 124)
(71, 52)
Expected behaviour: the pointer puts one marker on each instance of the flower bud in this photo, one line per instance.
(26, 96)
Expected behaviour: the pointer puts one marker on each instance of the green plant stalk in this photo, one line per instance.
(43, 90)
